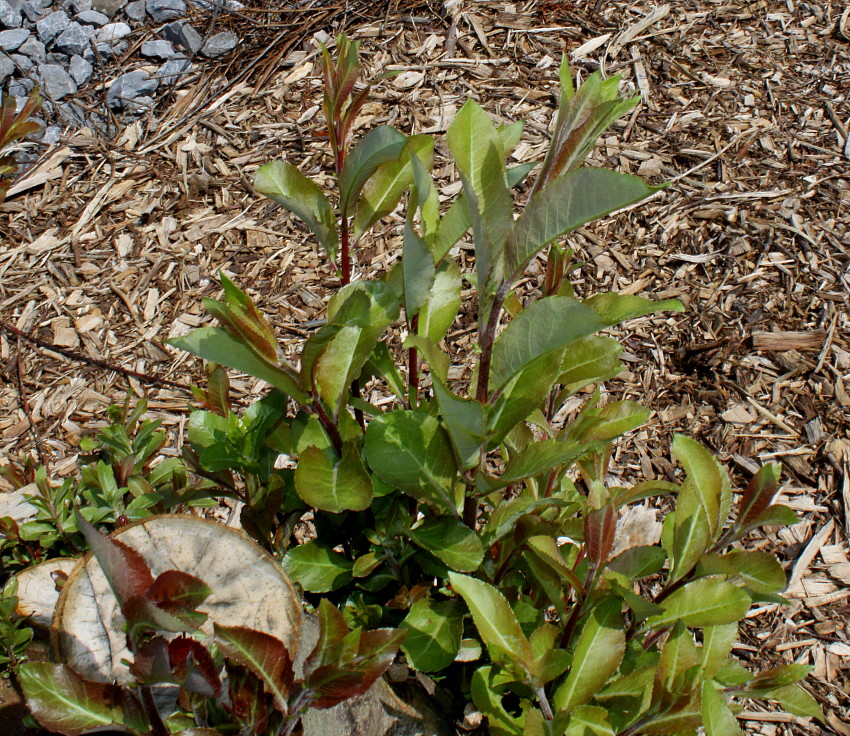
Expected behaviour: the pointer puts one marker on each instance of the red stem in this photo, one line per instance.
(487, 336)
(344, 252)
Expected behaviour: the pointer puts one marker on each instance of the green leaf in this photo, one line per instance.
(419, 271)
(434, 630)
(217, 346)
(441, 307)
(287, 186)
(703, 602)
(566, 204)
(717, 643)
(506, 515)
(496, 623)
(589, 720)
(677, 666)
(706, 480)
(638, 562)
(703, 505)
(333, 485)
(479, 152)
(776, 515)
(758, 571)
(590, 360)
(545, 326)
(717, 718)
(522, 395)
(363, 310)
(382, 191)
(615, 308)
(537, 458)
(489, 701)
(264, 655)
(317, 569)
(613, 420)
(457, 220)
(411, 451)
(63, 701)
(451, 541)
(796, 701)
(598, 653)
(379, 146)
(546, 549)
(465, 420)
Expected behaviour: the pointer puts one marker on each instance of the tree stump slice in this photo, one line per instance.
(249, 588)
(37, 593)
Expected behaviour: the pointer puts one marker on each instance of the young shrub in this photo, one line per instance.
(473, 516)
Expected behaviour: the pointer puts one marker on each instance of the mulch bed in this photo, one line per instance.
(110, 245)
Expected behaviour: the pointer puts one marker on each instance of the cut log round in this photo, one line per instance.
(37, 593)
(249, 588)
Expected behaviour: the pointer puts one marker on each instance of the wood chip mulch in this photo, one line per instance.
(108, 246)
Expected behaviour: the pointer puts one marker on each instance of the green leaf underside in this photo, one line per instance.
(217, 346)
(544, 326)
(286, 185)
(565, 204)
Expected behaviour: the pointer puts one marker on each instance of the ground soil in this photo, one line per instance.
(108, 246)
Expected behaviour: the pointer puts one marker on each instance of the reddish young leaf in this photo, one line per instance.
(758, 496)
(600, 526)
(249, 704)
(179, 588)
(151, 665)
(125, 569)
(332, 632)
(193, 667)
(331, 685)
(263, 655)
(377, 651)
(217, 396)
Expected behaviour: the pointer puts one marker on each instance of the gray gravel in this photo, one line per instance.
(64, 45)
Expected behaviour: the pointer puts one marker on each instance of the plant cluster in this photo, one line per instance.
(122, 478)
(478, 516)
(240, 680)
